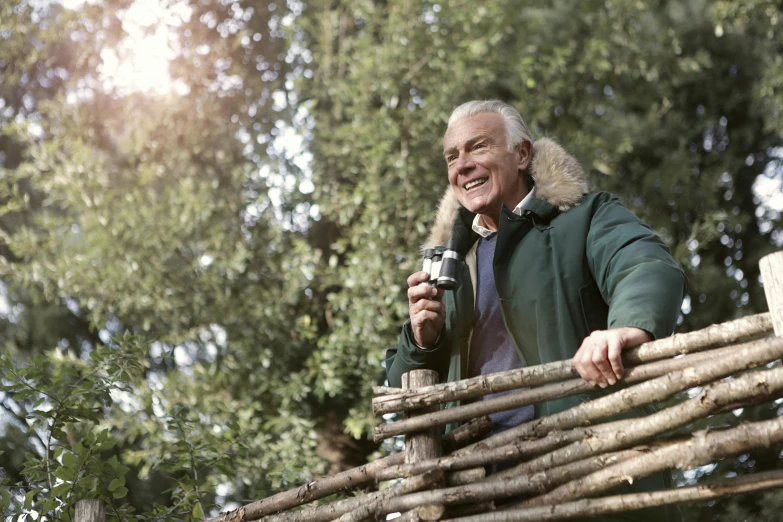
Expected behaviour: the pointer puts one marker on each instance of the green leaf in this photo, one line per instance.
(116, 483)
(70, 460)
(29, 497)
(197, 513)
(120, 492)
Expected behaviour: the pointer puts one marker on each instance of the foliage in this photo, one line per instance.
(261, 284)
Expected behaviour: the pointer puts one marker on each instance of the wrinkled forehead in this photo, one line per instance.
(484, 124)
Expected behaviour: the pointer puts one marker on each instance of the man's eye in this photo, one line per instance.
(480, 146)
(450, 159)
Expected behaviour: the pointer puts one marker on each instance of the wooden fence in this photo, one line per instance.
(567, 460)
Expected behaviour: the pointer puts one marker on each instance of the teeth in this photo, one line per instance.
(475, 183)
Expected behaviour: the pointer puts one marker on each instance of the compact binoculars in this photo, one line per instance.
(441, 264)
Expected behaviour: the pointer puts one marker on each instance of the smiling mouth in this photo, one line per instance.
(475, 183)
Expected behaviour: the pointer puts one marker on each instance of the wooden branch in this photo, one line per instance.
(465, 476)
(351, 478)
(710, 337)
(468, 433)
(703, 448)
(614, 504)
(385, 390)
(514, 450)
(489, 491)
(731, 360)
(336, 509)
(422, 513)
(314, 490)
(771, 267)
(511, 444)
(714, 397)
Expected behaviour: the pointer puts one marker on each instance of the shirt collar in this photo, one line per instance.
(484, 232)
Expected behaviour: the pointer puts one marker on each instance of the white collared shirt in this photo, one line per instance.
(481, 230)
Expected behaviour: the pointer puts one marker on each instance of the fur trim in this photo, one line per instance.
(558, 176)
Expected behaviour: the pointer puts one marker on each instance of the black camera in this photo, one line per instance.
(441, 264)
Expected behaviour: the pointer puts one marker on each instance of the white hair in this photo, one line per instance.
(516, 128)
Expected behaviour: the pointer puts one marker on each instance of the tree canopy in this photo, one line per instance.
(198, 280)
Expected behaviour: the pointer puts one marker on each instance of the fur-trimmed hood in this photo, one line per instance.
(558, 176)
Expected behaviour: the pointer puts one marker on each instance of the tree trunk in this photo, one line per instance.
(90, 511)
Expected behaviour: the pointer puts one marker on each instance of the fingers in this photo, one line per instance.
(599, 359)
(614, 355)
(417, 290)
(417, 278)
(583, 363)
(426, 305)
(426, 309)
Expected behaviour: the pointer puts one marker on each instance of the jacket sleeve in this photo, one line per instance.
(635, 271)
(407, 356)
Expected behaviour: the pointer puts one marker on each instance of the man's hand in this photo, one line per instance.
(598, 360)
(426, 310)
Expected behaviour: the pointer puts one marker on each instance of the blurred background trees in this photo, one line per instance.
(208, 210)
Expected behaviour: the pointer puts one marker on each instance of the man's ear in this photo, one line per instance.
(524, 154)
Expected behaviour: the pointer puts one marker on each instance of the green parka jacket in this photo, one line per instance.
(570, 264)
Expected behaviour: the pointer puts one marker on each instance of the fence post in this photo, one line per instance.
(771, 267)
(422, 445)
(426, 444)
(90, 511)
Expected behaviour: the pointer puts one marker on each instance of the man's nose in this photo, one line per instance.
(464, 164)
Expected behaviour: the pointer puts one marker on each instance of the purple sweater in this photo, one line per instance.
(491, 347)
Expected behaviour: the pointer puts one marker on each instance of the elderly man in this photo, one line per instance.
(549, 272)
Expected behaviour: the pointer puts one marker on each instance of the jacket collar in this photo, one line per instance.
(560, 185)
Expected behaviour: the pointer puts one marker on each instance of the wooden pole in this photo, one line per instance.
(425, 445)
(90, 511)
(771, 267)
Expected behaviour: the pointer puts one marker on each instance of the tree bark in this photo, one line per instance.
(422, 513)
(468, 433)
(426, 444)
(771, 267)
(90, 511)
(710, 337)
(619, 503)
(732, 359)
(703, 448)
(422, 446)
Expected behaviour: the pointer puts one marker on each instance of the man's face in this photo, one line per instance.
(482, 172)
